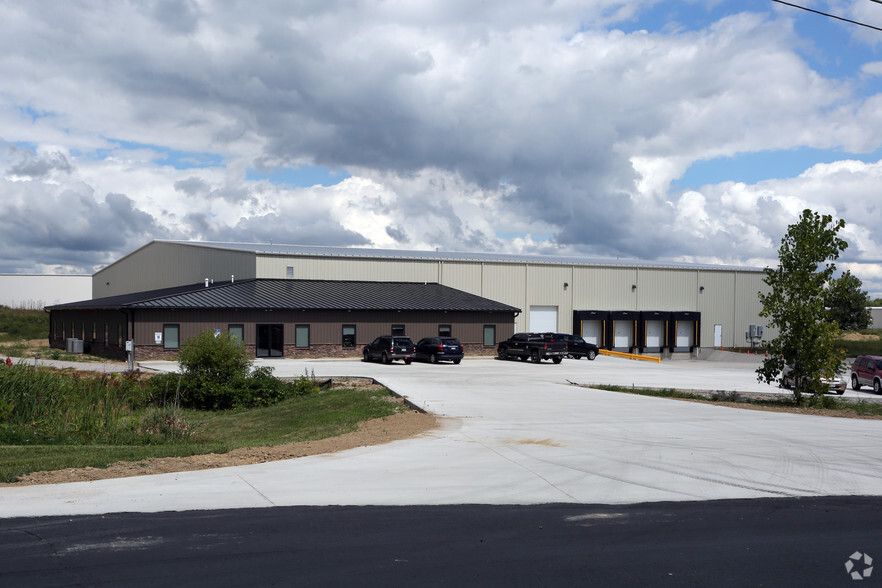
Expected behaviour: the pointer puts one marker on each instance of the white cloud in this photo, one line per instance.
(522, 127)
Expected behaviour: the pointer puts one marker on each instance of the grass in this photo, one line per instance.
(302, 418)
(17, 324)
(826, 402)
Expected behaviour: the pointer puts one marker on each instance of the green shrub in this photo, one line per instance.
(23, 324)
(216, 374)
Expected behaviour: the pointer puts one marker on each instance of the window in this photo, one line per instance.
(398, 330)
(489, 335)
(301, 336)
(236, 332)
(289, 271)
(348, 335)
(444, 331)
(171, 335)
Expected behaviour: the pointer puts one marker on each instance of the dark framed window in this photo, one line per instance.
(289, 271)
(398, 331)
(171, 336)
(348, 335)
(489, 335)
(301, 336)
(236, 332)
(445, 331)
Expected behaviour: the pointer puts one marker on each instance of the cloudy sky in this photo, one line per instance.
(683, 130)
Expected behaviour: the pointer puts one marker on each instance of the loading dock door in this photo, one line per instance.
(543, 319)
(685, 334)
(592, 332)
(623, 334)
(655, 334)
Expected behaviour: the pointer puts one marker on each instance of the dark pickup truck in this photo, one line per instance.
(534, 346)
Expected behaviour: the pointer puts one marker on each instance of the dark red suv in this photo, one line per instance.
(867, 371)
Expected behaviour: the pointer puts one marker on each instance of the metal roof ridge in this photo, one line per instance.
(367, 252)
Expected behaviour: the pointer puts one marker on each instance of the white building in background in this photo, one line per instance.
(35, 291)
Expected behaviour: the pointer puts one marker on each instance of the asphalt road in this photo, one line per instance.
(766, 542)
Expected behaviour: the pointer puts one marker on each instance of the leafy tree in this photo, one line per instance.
(795, 305)
(847, 303)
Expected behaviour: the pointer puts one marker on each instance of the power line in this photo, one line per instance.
(862, 24)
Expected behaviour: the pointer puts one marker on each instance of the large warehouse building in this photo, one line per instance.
(304, 300)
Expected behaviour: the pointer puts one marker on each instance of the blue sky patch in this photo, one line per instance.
(751, 168)
(164, 155)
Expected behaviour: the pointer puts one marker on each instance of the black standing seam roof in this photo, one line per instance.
(282, 294)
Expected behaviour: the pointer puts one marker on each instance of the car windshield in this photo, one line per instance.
(450, 341)
(403, 341)
(879, 364)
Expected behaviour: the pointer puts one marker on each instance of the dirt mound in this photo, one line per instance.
(859, 337)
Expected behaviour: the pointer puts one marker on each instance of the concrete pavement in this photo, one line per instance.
(518, 433)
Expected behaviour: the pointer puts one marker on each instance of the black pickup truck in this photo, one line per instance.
(535, 346)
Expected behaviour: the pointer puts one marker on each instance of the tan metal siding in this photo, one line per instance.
(747, 306)
(604, 288)
(716, 303)
(663, 289)
(465, 276)
(162, 265)
(506, 283)
(545, 287)
(329, 268)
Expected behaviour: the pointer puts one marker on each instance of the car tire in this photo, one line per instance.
(591, 355)
(433, 358)
(855, 384)
(386, 358)
(534, 357)
(366, 356)
(785, 383)
(407, 361)
(877, 387)
(557, 359)
(502, 354)
(523, 358)
(456, 361)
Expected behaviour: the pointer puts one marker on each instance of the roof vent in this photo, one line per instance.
(206, 282)
(232, 278)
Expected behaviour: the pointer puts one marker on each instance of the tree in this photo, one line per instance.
(795, 306)
(847, 303)
(214, 359)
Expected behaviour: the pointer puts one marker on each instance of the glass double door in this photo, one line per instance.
(270, 341)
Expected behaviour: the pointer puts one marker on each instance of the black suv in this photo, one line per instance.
(388, 348)
(577, 347)
(435, 349)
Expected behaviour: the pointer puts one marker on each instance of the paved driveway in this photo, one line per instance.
(519, 433)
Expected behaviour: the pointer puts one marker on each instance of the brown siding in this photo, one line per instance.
(325, 328)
